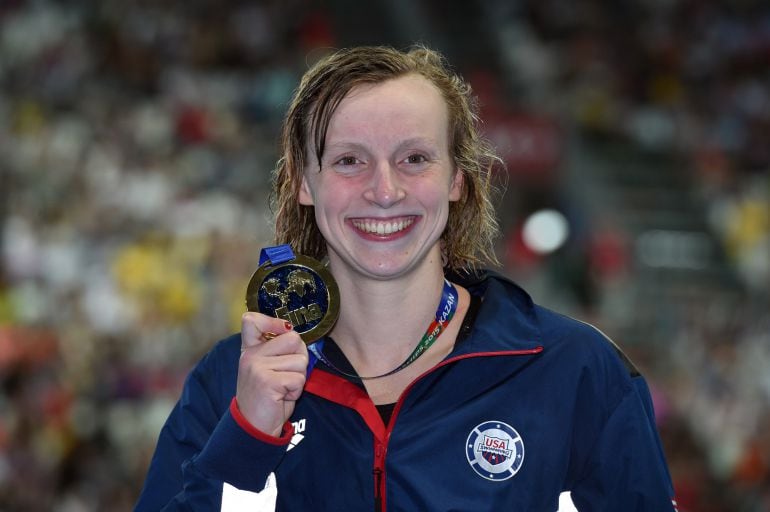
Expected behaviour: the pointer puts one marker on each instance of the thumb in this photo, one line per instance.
(257, 328)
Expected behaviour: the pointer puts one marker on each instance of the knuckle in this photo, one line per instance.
(298, 346)
(248, 316)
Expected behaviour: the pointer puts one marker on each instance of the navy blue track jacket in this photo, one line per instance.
(530, 404)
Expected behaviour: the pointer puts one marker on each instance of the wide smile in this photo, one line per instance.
(384, 228)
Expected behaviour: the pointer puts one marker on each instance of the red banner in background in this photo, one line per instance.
(530, 145)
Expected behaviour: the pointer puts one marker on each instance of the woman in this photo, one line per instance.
(498, 404)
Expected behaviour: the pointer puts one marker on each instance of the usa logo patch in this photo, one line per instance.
(495, 450)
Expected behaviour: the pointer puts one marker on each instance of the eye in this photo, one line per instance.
(347, 160)
(416, 158)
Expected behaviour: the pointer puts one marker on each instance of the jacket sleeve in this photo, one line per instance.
(205, 443)
(624, 466)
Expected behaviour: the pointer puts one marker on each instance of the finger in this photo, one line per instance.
(274, 364)
(287, 384)
(255, 325)
(294, 385)
(287, 343)
(283, 378)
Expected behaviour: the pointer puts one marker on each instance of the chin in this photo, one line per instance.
(386, 272)
(394, 269)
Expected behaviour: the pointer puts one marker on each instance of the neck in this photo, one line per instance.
(381, 321)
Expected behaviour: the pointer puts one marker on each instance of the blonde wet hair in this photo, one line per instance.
(468, 238)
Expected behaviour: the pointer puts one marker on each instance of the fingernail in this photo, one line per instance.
(288, 326)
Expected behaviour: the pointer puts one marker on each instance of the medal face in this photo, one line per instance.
(301, 291)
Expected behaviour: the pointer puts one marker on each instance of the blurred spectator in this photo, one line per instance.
(136, 143)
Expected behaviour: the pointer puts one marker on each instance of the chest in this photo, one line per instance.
(453, 439)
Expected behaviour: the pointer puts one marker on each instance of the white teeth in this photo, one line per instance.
(384, 227)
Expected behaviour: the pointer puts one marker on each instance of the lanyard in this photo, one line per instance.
(444, 313)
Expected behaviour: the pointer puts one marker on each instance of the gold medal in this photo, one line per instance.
(297, 289)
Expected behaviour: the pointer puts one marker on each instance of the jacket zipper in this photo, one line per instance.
(378, 472)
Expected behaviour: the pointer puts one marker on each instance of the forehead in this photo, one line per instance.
(403, 104)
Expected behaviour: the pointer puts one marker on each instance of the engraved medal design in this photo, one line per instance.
(297, 289)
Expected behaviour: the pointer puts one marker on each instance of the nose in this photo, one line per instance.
(385, 189)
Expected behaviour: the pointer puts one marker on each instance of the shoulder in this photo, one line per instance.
(582, 337)
(509, 314)
(221, 356)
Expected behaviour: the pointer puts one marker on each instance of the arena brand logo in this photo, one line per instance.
(299, 428)
(495, 450)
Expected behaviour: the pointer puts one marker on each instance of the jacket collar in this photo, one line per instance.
(507, 319)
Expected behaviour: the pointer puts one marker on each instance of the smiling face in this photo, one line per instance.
(382, 196)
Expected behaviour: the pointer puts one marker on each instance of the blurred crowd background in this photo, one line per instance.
(136, 144)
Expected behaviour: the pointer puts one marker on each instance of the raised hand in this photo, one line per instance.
(271, 371)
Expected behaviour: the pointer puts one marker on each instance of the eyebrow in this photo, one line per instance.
(413, 141)
(416, 141)
(343, 146)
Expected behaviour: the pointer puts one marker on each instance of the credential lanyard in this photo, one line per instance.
(446, 310)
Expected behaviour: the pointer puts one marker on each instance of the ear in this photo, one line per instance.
(305, 197)
(456, 188)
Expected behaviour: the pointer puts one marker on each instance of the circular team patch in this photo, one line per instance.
(495, 450)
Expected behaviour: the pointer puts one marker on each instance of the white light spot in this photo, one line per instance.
(545, 231)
